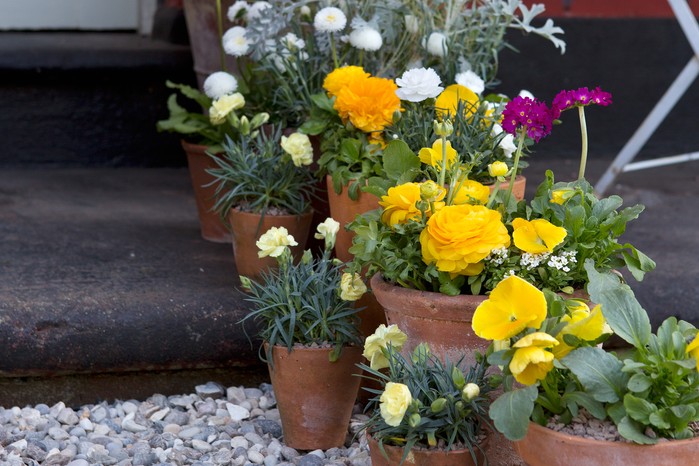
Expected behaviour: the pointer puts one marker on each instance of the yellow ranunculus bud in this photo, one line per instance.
(470, 391)
(443, 128)
(394, 402)
(429, 190)
(221, 107)
(273, 242)
(496, 169)
(299, 147)
(351, 287)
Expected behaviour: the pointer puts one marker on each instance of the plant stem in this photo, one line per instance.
(491, 199)
(219, 21)
(513, 176)
(332, 47)
(583, 133)
(443, 171)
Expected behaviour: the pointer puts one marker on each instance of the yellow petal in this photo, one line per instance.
(531, 364)
(537, 236)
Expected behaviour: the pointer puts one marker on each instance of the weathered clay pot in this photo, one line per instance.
(545, 447)
(443, 322)
(247, 228)
(344, 210)
(422, 457)
(517, 189)
(315, 396)
(210, 223)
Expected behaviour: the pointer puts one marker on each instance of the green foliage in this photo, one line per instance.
(255, 174)
(300, 303)
(439, 414)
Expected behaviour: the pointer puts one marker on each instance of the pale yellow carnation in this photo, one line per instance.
(376, 343)
(299, 147)
(274, 242)
(395, 400)
(221, 107)
(351, 287)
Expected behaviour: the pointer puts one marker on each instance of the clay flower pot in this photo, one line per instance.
(423, 457)
(247, 228)
(517, 189)
(315, 397)
(546, 447)
(443, 322)
(210, 223)
(344, 210)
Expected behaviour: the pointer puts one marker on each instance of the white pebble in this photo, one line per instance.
(237, 413)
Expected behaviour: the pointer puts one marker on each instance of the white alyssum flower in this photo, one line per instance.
(470, 80)
(219, 84)
(236, 8)
(507, 143)
(418, 84)
(235, 43)
(274, 242)
(330, 19)
(366, 38)
(256, 8)
(437, 44)
(532, 261)
(497, 256)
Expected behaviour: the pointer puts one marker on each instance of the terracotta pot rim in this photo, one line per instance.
(294, 348)
(518, 178)
(240, 213)
(588, 442)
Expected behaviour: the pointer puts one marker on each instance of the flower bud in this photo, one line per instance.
(458, 377)
(496, 169)
(470, 391)
(438, 405)
(560, 196)
(259, 120)
(244, 125)
(500, 345)
(443, 128)
(245, 282)
(414, 420)
(429, 190)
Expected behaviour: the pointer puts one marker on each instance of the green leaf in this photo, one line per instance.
(511, 411)
(632, 430)
(639, 383)
(313, 127)
(639, 409)
(624, 314)
(586, 401)
(637, 262)
(399, 162)
(599, 372)
(606, 206)
(323, 102)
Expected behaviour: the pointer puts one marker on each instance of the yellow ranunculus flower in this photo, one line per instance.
(221, 107)
(531, 361)
(513, 305)
(395, 400)
(340, 77)
(299, 147)
(458, 237)
(379, 340)
(447, 102)
(399, 204)
(585, 324)
(274, 241)
(369, 104)
(498, 169)
(693, 349)
(537, 236)
(471, 192)
(433, 156)
(352, 287)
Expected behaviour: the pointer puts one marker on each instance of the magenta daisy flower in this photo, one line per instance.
(531, 114)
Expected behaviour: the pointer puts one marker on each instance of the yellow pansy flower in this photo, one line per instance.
(433, 156)
(447, 102)
(585, 324)
(513, 305)
(693, 349)
(537, 236)
(471, 192)
(531, 360)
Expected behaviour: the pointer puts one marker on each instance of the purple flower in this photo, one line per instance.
(600, 97)
(581, 97)
(523, 112)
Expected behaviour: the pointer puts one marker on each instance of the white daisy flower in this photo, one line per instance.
(236, 8)
(235, 43)
(220, 83)
(419, 84)
(437, 44)
(330, 19)
(470, 80)
(257, 7)
(366, 38)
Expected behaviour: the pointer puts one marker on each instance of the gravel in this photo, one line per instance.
(215, 425)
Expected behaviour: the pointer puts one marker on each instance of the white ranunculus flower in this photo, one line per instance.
(236, 8)
(330, 19)
(299, 147)
(437, 44)
(470, 80)
(273, 242)
(366, 38)
(419, 84)
(220, 83)
(235, 43)
(255, 9)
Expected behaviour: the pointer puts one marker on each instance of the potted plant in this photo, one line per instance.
(204, 131)
(442, 240)
(636, 407)
(263, 180)
(311, 342)
(425, 411)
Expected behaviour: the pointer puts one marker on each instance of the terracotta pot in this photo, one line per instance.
(517, 189)
(545, 447)
(247, 229)
(315, 397)
(210, 223)
(344, 210)
(423, 457)
(444, 322)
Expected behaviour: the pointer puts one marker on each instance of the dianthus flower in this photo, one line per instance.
(531, 114)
